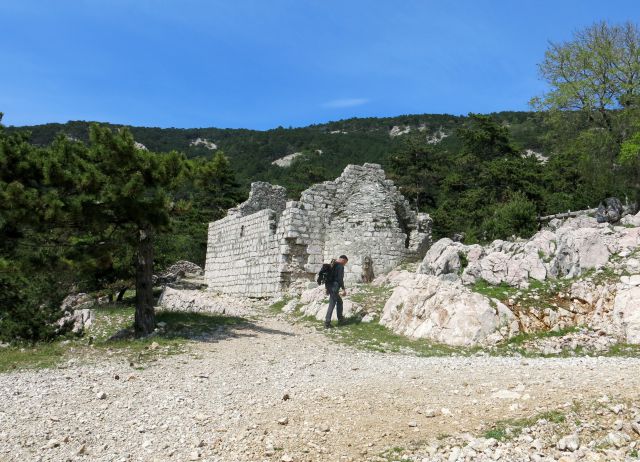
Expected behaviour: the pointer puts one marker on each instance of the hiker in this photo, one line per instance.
(333, 284)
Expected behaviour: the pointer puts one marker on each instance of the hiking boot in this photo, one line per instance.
(342, 321)
(327, 325)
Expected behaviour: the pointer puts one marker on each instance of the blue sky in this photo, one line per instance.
(261, 64)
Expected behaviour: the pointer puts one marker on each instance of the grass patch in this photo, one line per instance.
(501, 292)
(38, 357)
(622, 349)
(181, 327)
(392, 454)
(375, 337)
(508, 429)
(279, 305)
(371, 298)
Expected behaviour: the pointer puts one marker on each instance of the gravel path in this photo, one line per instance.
(276, 391)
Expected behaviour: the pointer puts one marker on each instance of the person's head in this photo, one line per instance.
(342, 259)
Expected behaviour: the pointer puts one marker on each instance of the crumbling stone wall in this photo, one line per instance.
(263, 248)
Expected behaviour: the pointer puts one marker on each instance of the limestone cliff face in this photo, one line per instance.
(266, 245)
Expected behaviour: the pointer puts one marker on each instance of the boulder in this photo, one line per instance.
(77, 301)
(198, 301)
(610, 210)
(631, 220)
(449, 257)
(427, 306)
(77, 320)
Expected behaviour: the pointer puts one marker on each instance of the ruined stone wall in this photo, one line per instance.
(243, 255)
(360, 214)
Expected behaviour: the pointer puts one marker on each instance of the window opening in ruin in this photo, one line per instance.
(241, 230)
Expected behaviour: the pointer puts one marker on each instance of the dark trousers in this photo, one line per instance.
(335, 301)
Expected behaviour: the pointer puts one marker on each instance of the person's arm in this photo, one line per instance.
(341, 276)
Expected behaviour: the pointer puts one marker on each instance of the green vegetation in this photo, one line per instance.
(372, 336)
(41, 356)
(91, 217)
(392, 454)
(277, 306)
(112, 334)
(509, 429)
(371, 298)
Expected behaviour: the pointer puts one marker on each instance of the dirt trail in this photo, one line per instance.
(271, 390)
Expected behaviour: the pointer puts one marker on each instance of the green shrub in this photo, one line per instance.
(516, 217)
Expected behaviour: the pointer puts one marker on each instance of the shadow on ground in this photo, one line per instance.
(203, 327)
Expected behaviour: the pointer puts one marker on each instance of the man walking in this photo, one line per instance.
(333, 285)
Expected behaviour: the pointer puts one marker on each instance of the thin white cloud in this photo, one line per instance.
(347, 102)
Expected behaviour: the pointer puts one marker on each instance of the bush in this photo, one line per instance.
(516, 217)
(29, 308)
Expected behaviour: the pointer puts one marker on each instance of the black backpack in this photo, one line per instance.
(325, 275)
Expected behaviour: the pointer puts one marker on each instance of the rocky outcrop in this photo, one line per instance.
(565, 249)
(438, 302)
(210, 145)
(287, 160)
(78, 313)
(445, 311)
(626, 311)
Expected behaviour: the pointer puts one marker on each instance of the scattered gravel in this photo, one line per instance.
(224, 400)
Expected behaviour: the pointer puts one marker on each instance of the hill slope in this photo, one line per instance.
(325, 148)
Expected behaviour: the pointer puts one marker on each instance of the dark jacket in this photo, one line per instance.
(338, 276)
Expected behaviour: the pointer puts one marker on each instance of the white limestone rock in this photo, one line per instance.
(567, 249)
(77, 320)
(626, 313)
(446, 257)
(631, 220)
(427, 306)
(198, 301)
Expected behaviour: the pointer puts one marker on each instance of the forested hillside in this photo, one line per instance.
(251, 152)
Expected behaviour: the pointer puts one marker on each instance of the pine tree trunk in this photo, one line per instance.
(145, 320)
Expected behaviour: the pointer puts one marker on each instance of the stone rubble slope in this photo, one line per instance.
(272, 391)
(437, 302)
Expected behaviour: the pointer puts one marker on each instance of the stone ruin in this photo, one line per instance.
(268, 245)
